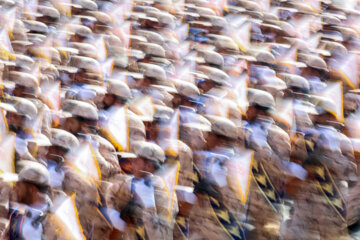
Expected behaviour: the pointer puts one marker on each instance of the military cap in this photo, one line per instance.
(222, 126)
(330, 19)
(135, 39)
(147, 18)
(313, 61)
(187, 89)
(217, 21)
(263, 56)
(41, 140)
(36, 26)
(162, 17)
(212, 57)
(80, 30)
(332, 35)
(270, 16)
(35, 173)
(20, 46)
(215, 75)
(88, 4)
(261, 98)
(334, 48)
(85, 49)
(36, 38)
(7, 3)
(151, 36)
(150, 151)
(226, 43)
(24, 61)
(24, 107)
(24, 79)
(163, 113)
(293, 80)
(126, 154)
(49, 11)
(204, 11)
(153, 71)
(80, 109)
(249, 5)
(87, 63)
(302, 7)
(118, 88)
(151, 49)
(62, 138)
(285, 27)
(101, 17)
(346, 32)
(164, 89)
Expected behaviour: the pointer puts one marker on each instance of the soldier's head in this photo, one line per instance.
(26, 85)
(81, 117)
(326, 109)
(39, 146)
(261, 103)
(297, 85)
(118, 93)
(62, 143)
(153, 74)
(187, 94)
(24, 114)
(33, 180)
(216, 78)
(150, 157)
(223, 132)
(157, 127)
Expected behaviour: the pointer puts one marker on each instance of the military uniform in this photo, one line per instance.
(325, 214)
(26, 222)
(272, 146)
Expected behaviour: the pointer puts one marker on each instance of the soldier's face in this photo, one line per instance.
(24, 192)
(108, 100)
(138, 167)
(211, 140)
(15, 121)
(251, 113)
(72, 125)
(176, 101)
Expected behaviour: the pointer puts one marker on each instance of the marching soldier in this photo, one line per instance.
(271, 146)
(31, 202)
(141, 200)
(319, 205)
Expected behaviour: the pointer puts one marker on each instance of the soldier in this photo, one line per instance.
(142, 199)
(321, 193)
(83, 122)
(30, 203)
(221, 146)
(272, 146)
(20, 123)
(64, 178)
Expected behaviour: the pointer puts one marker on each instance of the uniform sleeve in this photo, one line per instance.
(186, 165)
(4, 205)
(119, 193)
(279, 141)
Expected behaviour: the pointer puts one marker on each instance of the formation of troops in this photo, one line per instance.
(179, 119)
